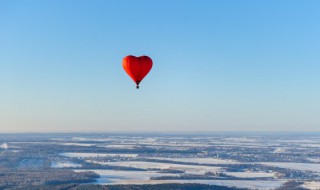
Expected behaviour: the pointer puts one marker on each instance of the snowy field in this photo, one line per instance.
(245, 160)
(190, 169)
(313, 185)
(278, 149)
(77, 144)
(118, 177)
(199, 160)
(94, 155)
(119, 146)
(142, 177)
(65, 165)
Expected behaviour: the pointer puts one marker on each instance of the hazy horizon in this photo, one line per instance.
(231, 132)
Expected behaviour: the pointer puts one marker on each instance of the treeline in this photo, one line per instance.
(24, 178)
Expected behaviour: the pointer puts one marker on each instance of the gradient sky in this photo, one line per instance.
(218, 65)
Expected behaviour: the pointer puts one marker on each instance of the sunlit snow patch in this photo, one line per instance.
(65, 165)
(77, 144)
(312, 185)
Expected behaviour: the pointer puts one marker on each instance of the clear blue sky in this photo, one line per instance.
(218, 65)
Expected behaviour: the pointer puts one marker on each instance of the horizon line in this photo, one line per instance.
(153, 131)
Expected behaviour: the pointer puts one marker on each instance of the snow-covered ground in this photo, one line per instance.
(299, 141)
(117, 176)
(143, 177)
(279, 150)
(4, 146)
(92, 155)
(316, 160)
(276, 147)
(172, 144)
(190, 169)
(250, 184)
(77, 144)
(199, 160)
(241, 139)
(311, 145)
(119, 146)
(65, 165)
(312, 185)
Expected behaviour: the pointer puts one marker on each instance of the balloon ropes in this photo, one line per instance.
(137, 67)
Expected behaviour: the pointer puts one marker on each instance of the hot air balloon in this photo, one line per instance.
(137, 67)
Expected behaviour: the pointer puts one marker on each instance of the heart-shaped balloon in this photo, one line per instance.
(137, 67)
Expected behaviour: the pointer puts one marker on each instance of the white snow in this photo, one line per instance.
(4, 146)
(250, 184)
(279, 150)
(312, 185)
(198, 160)
(143, 177)
(77, 144)
(65, 165)
(314, 159)
(79, 139)
(310, 145)
(88, 155)
(191, 169)
(240, 139)
(57, 139)
(119, 146)
(118, 177)
(299, 141)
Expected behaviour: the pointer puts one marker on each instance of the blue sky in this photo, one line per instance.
(218, 65)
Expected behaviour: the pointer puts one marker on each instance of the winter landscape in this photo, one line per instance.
(231, 160)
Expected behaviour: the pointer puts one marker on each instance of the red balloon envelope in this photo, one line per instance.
(137, 67)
